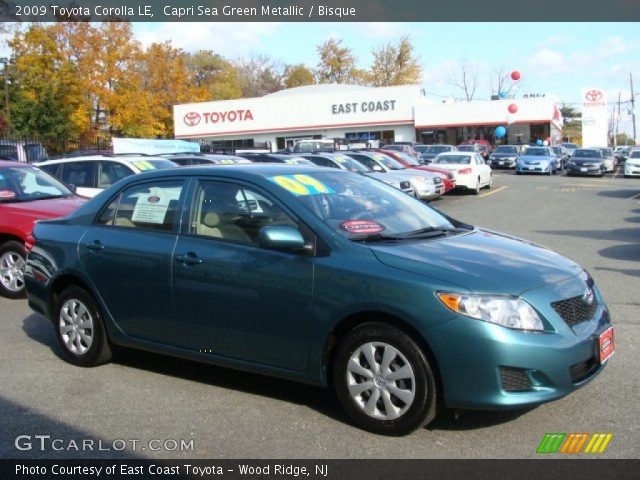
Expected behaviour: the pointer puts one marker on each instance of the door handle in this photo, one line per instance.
(95, 245)
(189, 259)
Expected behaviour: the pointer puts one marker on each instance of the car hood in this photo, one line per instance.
(480, 261)
(44, 209)
(529, 159)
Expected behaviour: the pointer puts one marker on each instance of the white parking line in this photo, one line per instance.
(492, 192)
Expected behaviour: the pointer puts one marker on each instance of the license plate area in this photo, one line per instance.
(606, 345)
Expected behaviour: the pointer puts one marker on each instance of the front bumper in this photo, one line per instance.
(555, 362)
(540, 168)
(502, 163)
(580, 170)
(631, 170)
(427, 191)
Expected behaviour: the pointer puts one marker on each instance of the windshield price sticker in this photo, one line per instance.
(361, 226)
(7, 194)
(142, 165)
(227, 161)
(301, 184)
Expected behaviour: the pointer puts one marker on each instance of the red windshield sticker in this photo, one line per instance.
(7, 194)
(153, 199)
(361, 226)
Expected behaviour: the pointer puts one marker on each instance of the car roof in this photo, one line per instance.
(14, 163)
(455, 154)
(95, 158)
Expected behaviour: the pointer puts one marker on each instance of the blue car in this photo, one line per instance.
(537, 160)
(321, 276)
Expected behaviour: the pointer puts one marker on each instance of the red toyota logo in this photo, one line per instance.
(593, 95)
(192, 119)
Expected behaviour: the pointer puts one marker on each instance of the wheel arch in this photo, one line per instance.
(353, 320)
(63, 282)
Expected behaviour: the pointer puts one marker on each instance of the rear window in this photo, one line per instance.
(453, 159)
(467, 148)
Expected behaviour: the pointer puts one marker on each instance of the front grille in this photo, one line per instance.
(514, 379)
(581, 371)
(575, 310)
(404, 185)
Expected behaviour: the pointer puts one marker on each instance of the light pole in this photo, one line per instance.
(5, 62)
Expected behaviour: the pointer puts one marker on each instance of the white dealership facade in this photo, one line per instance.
(360, 114)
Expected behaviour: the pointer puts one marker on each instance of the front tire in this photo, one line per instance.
(384, 381)
(12, 263)
(80, 329)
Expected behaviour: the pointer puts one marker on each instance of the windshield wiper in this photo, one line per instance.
(431, 232)
(48, 197)
(375, 237)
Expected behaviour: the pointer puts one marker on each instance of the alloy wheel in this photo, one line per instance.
(12, 271)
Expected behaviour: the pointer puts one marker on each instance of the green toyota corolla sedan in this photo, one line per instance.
(320, 276)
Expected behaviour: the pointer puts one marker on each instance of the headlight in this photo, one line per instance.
(510, 312)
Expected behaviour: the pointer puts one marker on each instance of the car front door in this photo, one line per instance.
(127, 255)
(234, 298)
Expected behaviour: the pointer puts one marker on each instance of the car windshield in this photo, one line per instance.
(467, 148)
(536, 152)
(356, 206)
(572, 146)
(160, 164)
(350, 164)
(588, 153)
(505, 149)
(635, 154)
(453, 159)
(408, 158)
(24, 184)
(437, 149)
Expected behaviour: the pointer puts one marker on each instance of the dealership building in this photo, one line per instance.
(357, 114)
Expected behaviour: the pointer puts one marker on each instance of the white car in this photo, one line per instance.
(91, 174)
(468, 168)
(632, 164)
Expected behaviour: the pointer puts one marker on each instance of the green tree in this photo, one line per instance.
(215, 74)
(297, 76)
(395, 65)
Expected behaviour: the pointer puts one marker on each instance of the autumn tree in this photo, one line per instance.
(395, 65)
(297, 76)
(217, 76)
(45, 85)
(259, 75)
(337, 64)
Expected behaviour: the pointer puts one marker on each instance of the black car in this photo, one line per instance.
(504, 156)
(586, 161)
(189, 159)
(276, 158)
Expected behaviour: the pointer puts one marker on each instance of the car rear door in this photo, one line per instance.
(127, 256)
(83, 175)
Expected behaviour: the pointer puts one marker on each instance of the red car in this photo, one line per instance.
(27, 194)
(409, 162)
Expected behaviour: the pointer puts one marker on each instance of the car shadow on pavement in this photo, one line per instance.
(630, 234)
(630, 252)
(24, 420)
(628, 193)
(40, 329)
(450, 419)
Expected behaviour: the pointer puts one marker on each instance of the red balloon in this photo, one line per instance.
(515, 75)
(513, 108)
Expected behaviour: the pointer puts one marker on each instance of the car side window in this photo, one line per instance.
(233, 212)
(50, 169)
(80, 174)
(111, 172)
(150, 206)
(323, 162)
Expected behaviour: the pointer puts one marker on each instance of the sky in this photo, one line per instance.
(554, 58)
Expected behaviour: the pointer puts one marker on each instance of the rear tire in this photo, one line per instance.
(12, 263)
(383, 380)
(476, 191)
(80, 329)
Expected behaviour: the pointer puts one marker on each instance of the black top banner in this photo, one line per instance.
(325, 11)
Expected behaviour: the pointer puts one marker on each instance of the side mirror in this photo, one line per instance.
(280, 237)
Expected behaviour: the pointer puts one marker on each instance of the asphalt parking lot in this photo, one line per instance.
(228, 414)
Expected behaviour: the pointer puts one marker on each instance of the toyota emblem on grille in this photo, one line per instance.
(192, 119)
(587, 296)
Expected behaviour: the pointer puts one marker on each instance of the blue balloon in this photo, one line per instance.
(500, 132)
(502, 94)
(539, 143)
